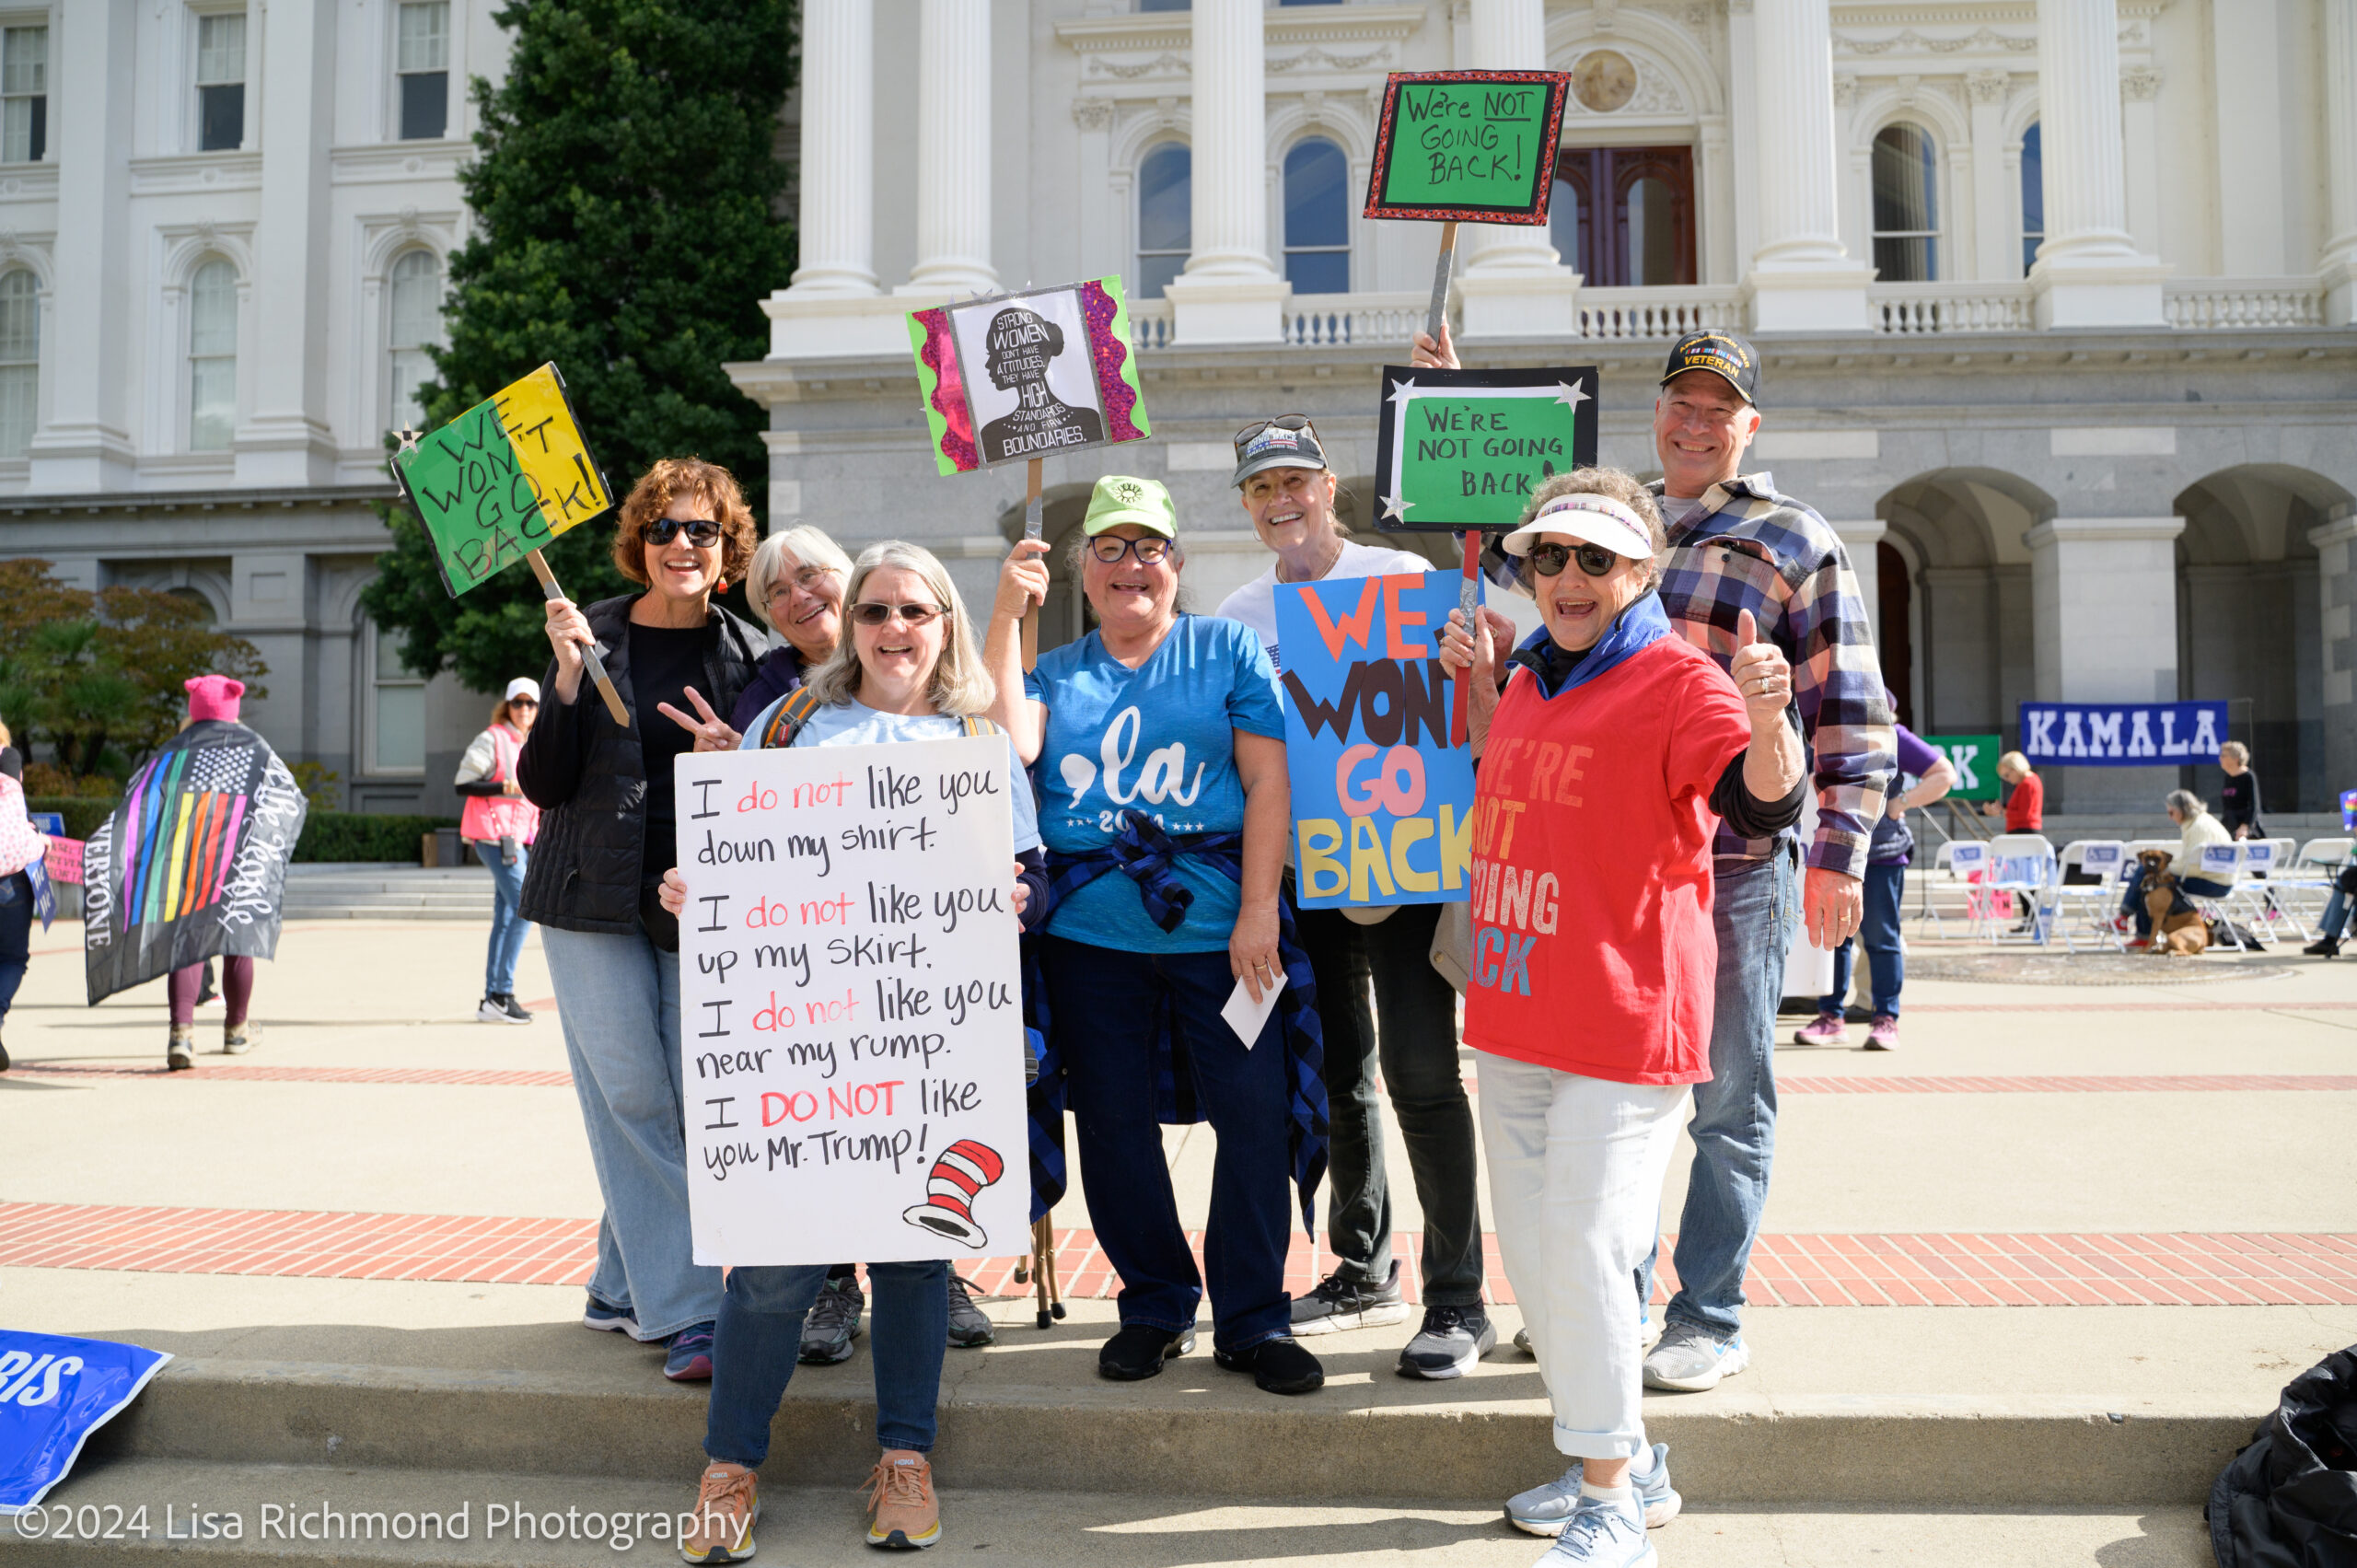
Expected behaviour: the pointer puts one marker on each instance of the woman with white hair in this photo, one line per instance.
(912, 669)
(796, 588)
(2201, 830)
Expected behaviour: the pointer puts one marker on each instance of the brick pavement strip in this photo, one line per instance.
(2175, 1268)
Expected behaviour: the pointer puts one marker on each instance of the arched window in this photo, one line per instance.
(212, 356)
(1564, 223)
(413, 322)
(1318, 218)
(2033, 197)
(19, 360)
(1165, 216)
(1907, 210)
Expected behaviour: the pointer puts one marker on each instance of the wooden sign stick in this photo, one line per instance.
(1034, 515)
(589, 650)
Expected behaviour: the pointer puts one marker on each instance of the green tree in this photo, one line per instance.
(626, 225)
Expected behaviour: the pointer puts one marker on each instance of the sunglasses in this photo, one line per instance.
(703, 532)
(523, 702)
(1548, 560)
(1283, 422)
(868, 613)
(1110, 550)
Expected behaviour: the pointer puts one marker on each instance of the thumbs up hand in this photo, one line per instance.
(1760, 671)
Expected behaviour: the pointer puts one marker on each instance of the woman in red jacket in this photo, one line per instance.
(1604, 763)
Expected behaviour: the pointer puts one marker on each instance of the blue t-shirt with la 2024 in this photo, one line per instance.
(1158, 740)
(856, 724)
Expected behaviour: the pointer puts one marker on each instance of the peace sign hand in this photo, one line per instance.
(1761, 672)
(711, 731)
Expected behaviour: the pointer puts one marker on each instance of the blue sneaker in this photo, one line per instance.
(1601, 1535)
(613, 1319)
(690, 1360)
(1545, 1510)
(1692, 1358)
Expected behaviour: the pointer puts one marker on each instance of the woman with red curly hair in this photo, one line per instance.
(605, 842)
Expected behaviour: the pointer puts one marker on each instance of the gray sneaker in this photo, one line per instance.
(833, 1322)
(1452, 1339)
(1338, 1304)
(1544, 1510)
(1601, 1535)
(1690, 1359)
(968, 1326)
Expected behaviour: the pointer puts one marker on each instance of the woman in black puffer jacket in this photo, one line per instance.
(678, 659)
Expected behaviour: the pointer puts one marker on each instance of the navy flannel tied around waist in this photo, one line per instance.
(1147, 855)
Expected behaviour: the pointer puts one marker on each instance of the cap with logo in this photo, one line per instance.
(523, 686)
(1118, 499)
(1722, 355)
(1590, 518)
(1287, 443)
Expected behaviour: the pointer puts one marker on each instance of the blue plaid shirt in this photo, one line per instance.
(1752, 548)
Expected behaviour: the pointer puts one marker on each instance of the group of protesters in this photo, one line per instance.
(1639, 763)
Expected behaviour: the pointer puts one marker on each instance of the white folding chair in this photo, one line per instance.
(1965, 860)
(2302, 883)
(2090, 876)
(2261, 859)
(2024, 865)
(2221, 863)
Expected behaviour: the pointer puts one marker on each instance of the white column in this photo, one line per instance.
(286, 437)
(2141, 136)
(1229, 293)
(1097, 245)
(953, 150)
(834, 308)
(1511, 281)
(2340, 161)
(1801, 278)
(2246, 76)
(1743, 115)
(2102, 607)
(1996, 255)
(86, 444)
(2088, 273)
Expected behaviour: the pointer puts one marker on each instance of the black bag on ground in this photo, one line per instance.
(2290, 1499)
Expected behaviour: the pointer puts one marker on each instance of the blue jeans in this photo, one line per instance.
(507, 927)
(1752, 913)
(759, 1338)
(1879, 933)
(15, 935)
(2132, 898)
(1106, 1005)
(2337, 911)
(617, 998)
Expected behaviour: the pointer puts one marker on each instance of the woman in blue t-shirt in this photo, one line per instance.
(1159, 752)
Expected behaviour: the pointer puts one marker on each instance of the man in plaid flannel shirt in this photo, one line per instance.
(1736, 543)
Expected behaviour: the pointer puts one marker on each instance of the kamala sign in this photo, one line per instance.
(2122, 735)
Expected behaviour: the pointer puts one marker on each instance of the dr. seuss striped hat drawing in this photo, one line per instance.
(964, 1169)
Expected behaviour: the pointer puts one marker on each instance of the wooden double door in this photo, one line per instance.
(1624, 217)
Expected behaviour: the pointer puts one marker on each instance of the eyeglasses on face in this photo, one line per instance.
(808, 578)
(523, 702)
(869, 613)
(1283, 422)
(1110, 547)
(1548, 560)
(703, 532)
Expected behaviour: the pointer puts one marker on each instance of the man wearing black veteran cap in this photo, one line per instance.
(1288, 490)
(1738, 543)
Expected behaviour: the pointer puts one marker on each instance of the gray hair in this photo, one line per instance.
(807, 546)
(961, 686)
(2186, 803)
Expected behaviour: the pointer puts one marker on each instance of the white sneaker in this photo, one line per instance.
(1691, 1359)
(1601, 1535)
(1545, 1510)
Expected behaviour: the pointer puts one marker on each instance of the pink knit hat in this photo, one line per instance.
(214, 697)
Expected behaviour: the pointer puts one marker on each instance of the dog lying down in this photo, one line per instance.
(2177, 933)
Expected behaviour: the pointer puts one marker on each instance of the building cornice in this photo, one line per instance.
(16, 508)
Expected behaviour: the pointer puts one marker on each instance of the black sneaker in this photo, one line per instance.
(1451, 1341)
(968, 1326)
(833, 1323)
(1138, 1351)
(4, 1058)
(1280, 1365)
(1338, 1304)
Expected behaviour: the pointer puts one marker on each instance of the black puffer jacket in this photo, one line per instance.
(590, 778)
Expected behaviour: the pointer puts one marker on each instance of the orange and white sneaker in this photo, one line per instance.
(727, 1507)
(899, 1493)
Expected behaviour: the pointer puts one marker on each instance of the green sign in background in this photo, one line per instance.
(1974, 756)
(1469, 462)
(1466, 144)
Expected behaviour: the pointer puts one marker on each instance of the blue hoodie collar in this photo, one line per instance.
(1558, 671)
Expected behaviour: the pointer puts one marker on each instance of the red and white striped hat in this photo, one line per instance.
(964, 1169)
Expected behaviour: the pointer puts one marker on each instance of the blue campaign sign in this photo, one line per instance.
(2349, 809)
(1382, 802)
(49, 824)
(53, 1393)
(2122, 735)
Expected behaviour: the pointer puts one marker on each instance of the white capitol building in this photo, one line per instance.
(2054, 300)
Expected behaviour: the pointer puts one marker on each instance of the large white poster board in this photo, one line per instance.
(851, 1008)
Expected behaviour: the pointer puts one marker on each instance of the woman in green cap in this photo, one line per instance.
(1164, 809)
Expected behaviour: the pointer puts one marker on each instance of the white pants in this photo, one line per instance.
(1575, 1173)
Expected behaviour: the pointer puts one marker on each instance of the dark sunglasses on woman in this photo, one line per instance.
(703, 532)
(868, 613)
(1548, 560)
(1283, 422)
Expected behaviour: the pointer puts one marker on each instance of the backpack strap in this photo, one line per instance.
(791, 716)
(977, 724)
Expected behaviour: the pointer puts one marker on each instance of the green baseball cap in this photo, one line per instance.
(1119, 499)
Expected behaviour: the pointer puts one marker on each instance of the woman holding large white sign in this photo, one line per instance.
(910, 670)
(1165, 813)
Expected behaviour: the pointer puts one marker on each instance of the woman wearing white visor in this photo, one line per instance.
(1606, 762)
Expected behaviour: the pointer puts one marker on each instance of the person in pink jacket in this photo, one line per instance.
(21, 845)
(501, 824)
